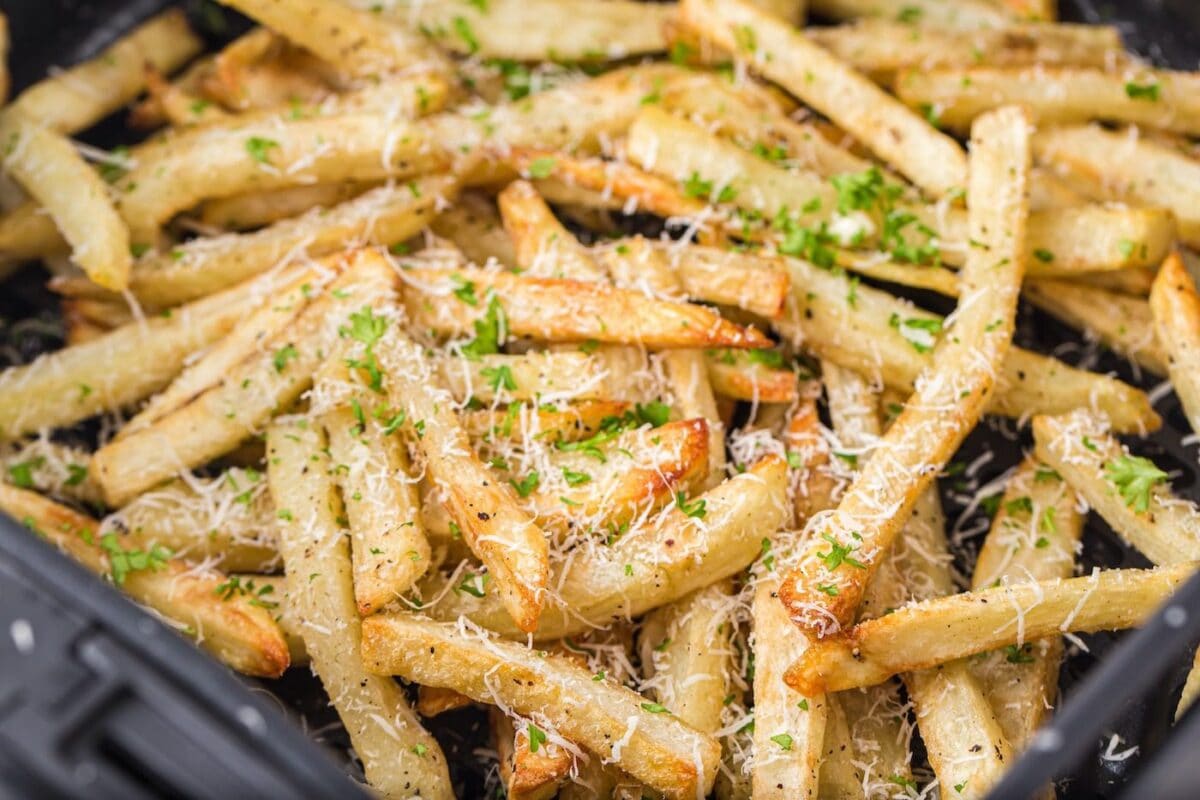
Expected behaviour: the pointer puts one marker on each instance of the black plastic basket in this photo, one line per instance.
(109, 699)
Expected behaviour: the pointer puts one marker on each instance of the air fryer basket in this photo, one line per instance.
(50, 32)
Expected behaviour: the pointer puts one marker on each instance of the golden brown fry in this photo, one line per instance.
(1033, 537)
(527, 773)
(1136, 94)
(123, 366)
(933, 161)
(1176, 310)
(567, 424)
(233, 629)
(48, 167)
(543, 246)
(79, 97)
(434, 700)
(506, 538)
(823, 592)
(565, 698)
(28, 233)
(220, 418)
(398, 755)
(366, 45)
(737, 375)
(1124, 165)
(382, 216)
(882, 48)
(565, 311)
(1164, 528)
(475, 227)
(650, 565)
(1119, 321)
(221, 161)
(257, 209)
(532, 30)
(937, 631)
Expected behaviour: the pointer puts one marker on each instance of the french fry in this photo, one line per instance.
(1143, 512)
(933, 161)
(543, 247)
(434, 700)
(717, 276)
(271, 592)
(28, 233)
(736, 375)
(389, 551)
(1123, 165)
(258, 209)
(545, 377)
(124, 366)
(658, 750)
(55, 176)
(650, 565)
(382, 216)
(243, 342)
(1121, 322)
(966, 14)
(475, 227)
(822, 593)
(79, 97)
(564, 311)
(51, 468)
(684, 659)
(363, 44)
(530, 30)
(1136, 95)
(506, 538)
(883, 337)
(527, 774)
(228, 520)
(221, 161)
(1094, 238)
(178, 106)
(398, 755)
(571, 423)
(792, 771)
(1176, 311)
(881, 48)
(223, 416)
(237, 632)
(148, 112)
(626, 185)
(1033, 536)
(938, 631)
(1136, 282)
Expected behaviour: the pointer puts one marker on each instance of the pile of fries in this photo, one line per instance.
(385, 386)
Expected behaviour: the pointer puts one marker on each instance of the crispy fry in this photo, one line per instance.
(880, 48)
(883, 337)
(54, 174)
(930, 159)
(202, 266)
(1176, 311)
(257, 209)
(1155, 98)
(737, 375)
(1123, 165)
(27, 233)
(659, 750)
(568, 424)
(434, 700)
(526, 774)
(234, 630)
(506, 539)
(544, 248)
(529, 30)
(383, 728)
(1121, 322)
(389, 550)
(221, 161)
(1161, 526)
(650, 565)
(565, 311)
(545, 377)
(123, 366)
(79, 97)
(1033, 536)
(228, 520)
(823, 593)
(363, 44)
(937, 631)
(223, 416)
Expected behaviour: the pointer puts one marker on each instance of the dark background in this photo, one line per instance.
(61, 32)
